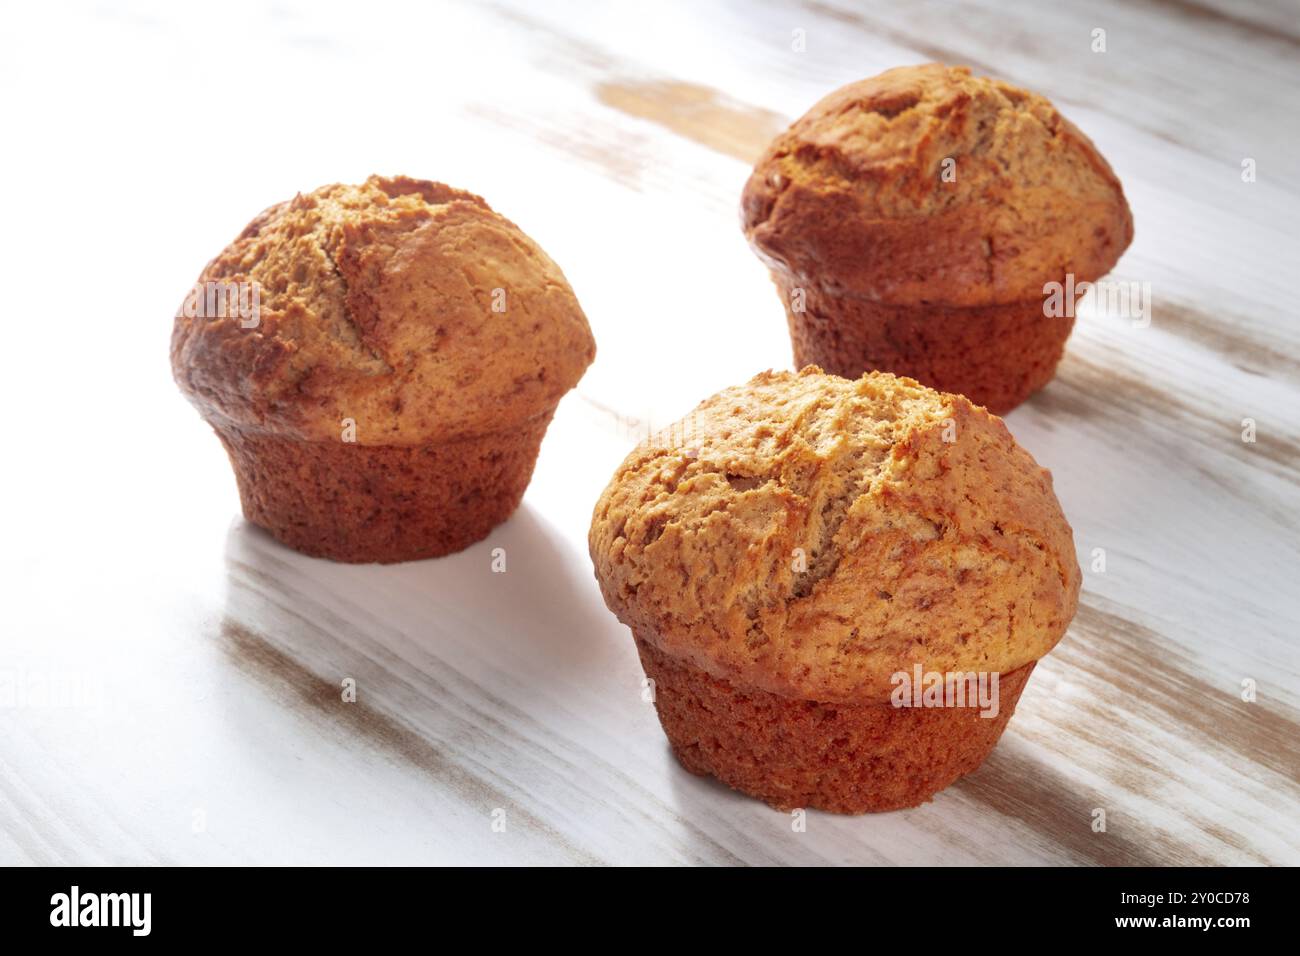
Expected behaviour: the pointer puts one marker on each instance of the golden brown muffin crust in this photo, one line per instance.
(385, 503)
(950, 554)
(377, 306)
(852, 197)
(845, 758)
(995, 355)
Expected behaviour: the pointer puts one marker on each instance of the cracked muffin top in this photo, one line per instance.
(812, 536)
(927, 185)
(405, 305)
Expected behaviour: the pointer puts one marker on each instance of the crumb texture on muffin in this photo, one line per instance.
(812, 536)
(404, 305)
(854, 197)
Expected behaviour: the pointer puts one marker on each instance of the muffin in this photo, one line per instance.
(912, 221)
(803, 546)
(387, 397)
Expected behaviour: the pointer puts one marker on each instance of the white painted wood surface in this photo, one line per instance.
(203, 661)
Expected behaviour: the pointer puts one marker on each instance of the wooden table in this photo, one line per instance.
(193, 668)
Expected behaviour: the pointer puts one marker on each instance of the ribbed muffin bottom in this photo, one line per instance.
(787, 752)
(380, 503)
(997, 356)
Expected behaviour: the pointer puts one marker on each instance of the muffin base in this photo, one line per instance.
(997, 356)
(378, 503)
(854, 758)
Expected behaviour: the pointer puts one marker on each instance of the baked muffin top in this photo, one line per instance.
(405, 305)
(854, 197)
(812, 536)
